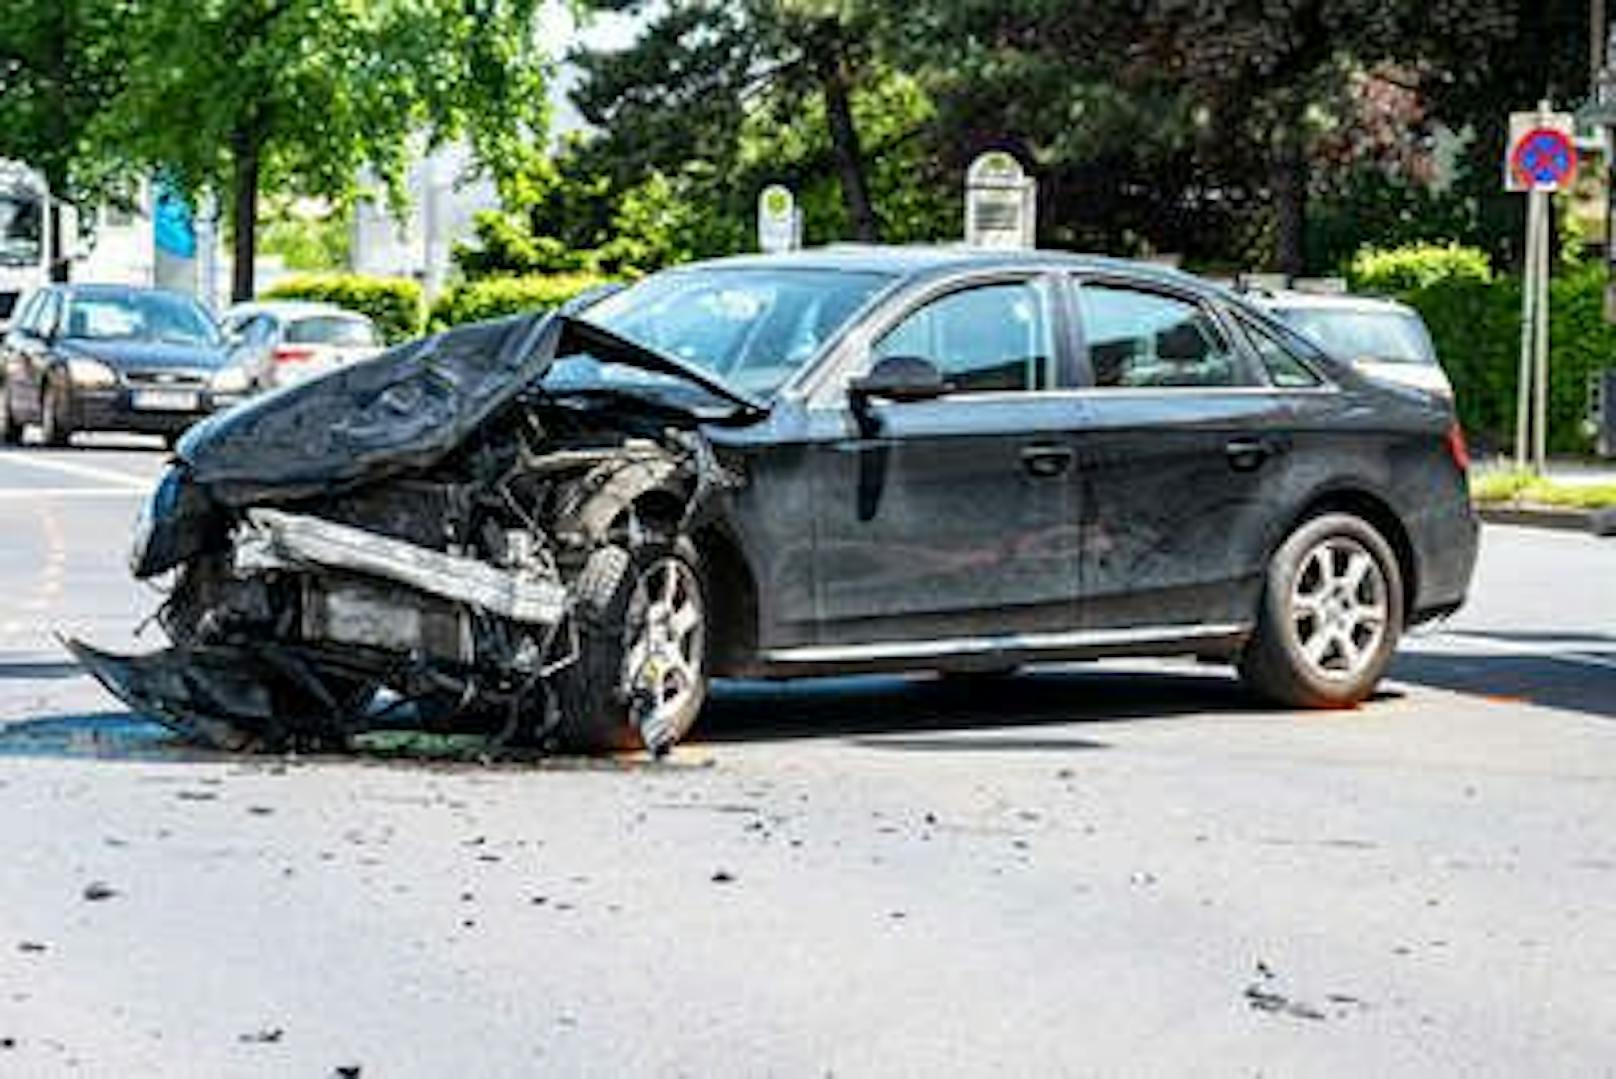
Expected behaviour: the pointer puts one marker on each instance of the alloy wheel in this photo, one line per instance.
(662, 665)
(1338, 608)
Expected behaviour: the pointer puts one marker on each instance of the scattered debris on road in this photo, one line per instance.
(267, 1036)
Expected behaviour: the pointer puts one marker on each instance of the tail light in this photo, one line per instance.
(290, 354)
(1457, 448)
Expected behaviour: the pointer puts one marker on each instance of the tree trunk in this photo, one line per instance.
(246, 149)
(844, 140)
(1288, 179)
(54, 168)
(61, 262)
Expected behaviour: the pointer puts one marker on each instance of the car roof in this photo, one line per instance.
(942, 259)
(113, 290)
(292, 309)
(1290, 300)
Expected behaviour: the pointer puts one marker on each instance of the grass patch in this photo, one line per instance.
(1523, 488)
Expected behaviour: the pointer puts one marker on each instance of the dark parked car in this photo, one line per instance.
(110, 358)
(558, 527)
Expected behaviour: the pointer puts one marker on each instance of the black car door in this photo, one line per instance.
(956, 517)
(1182, 459)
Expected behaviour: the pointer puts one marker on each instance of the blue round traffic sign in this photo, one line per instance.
(1544, 158)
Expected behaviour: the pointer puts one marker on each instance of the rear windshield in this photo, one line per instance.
(341, 330)
(1388, 336)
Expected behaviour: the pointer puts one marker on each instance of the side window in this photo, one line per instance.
(1285, 369)
(48, 314)
(30, 310)
(259, 330)
(1145, 339)
(990, 337)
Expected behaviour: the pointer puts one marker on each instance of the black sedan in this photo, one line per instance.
(110, 358)
(559, 527)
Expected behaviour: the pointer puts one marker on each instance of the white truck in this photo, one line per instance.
(25, 255)
(123, 252)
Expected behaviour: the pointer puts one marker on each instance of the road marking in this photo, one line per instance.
(74, 468)
(31, 494)
(1523, 648)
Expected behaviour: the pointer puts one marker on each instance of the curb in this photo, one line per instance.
(1598, 522)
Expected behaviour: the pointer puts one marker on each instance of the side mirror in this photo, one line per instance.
(900, 378)
(894, 378)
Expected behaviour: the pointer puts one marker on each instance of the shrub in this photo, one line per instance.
(393, 303)
(1416, 266)
(1476, 325)
(494, 297)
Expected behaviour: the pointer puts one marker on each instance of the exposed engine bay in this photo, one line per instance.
(520, 568)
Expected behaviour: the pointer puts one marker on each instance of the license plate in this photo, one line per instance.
(165, 400)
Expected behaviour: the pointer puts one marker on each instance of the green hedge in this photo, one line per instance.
(1415, 266)
(1477, 328)
(394, 303)
(494, 297)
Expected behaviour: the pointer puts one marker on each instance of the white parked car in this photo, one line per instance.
(277, 342)
(1384, 339)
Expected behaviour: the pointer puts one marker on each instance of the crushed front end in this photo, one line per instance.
(330, 572)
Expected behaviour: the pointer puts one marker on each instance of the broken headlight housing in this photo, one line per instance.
(176, 522)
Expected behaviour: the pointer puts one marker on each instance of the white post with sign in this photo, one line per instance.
(1001, 203)
(1541, 159)
(779, 220)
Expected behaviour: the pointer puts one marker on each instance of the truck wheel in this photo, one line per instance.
(1330, 616)
(54, 414)
(640, 676)
(10, 429)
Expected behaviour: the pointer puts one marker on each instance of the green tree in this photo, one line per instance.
(300, 96)
(61, 62)
(1188, 125)
(685, 89)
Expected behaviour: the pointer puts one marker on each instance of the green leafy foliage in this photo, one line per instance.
(496, 297)
(1476, 326)
(300, 96)
(1415, 266)
(393, 303)
(308, 243)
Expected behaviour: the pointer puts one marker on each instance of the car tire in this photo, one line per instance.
(1329, 618)
(56, 400)
(10, 429)
(644, 607)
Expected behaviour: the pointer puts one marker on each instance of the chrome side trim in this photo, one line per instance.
(1010, 642)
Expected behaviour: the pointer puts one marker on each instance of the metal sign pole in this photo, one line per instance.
(1540, 424)
(1523, 384)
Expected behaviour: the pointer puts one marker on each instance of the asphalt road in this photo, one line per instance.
(1120, 869)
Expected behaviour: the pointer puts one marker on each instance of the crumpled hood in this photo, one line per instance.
(403, 410)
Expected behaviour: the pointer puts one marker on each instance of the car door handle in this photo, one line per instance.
(1247, 454)
(1046, 462)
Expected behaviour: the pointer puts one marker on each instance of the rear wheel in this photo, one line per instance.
(10, 429)
(640, 677)
(1331, 613)
(55, 419)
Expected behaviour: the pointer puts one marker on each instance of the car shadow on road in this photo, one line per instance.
(98, 736)
(1522, 678)
(38, 670)
(892, 711)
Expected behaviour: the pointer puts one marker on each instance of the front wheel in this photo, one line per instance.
(640, 675)
(1331, 613)
(55, 421)
(10, 429)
